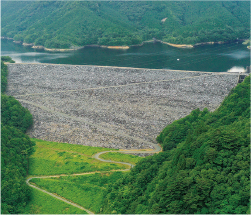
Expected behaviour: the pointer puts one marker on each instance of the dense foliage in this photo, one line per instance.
(4, 73)
(7, 59)
(204, 167)
(60, 24)
(15, 150)
(13, 114)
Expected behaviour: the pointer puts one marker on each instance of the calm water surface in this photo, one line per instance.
(212, 58)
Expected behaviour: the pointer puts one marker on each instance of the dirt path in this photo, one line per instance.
(155, 147)
(56, 196)
(96, 156)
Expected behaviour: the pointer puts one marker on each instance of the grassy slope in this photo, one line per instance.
(87, 191)
(63, 158)
(65, 24)
(42, 203)
(56, 158)
(121, 157)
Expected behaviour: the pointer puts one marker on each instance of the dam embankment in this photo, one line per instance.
(111, 106)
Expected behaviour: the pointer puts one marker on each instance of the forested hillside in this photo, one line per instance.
(61, 24)
(205, 166)
(15, 150)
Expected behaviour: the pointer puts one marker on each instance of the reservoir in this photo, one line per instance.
(209, 58)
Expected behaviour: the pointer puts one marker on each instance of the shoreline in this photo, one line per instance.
(184, 46)
(125, 47)
(115, 47)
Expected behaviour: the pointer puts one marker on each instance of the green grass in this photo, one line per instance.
(42, 203)
(246, 42)
(115, 156)
(51, 158)
(87, 190)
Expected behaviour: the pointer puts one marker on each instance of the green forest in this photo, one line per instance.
(204, 168)
(16, 147)
(62, 24)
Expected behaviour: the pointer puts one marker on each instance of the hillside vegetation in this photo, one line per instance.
(16, 147)
(204, 167)
(60, 24)
(53, 158)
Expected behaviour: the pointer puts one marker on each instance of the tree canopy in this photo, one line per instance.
(62, 24)
(204, 168)
(16, 147)
(4, 73)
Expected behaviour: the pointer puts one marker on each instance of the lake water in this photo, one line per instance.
(211, 58)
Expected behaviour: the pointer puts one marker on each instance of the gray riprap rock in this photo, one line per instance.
(108, 106)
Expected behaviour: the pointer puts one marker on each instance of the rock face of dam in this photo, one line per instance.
(109, 106)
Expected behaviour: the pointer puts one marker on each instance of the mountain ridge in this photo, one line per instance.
(66, 24)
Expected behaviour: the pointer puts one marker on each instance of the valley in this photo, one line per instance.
(125, 107)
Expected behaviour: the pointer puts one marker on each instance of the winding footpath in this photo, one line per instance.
(156, 149)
